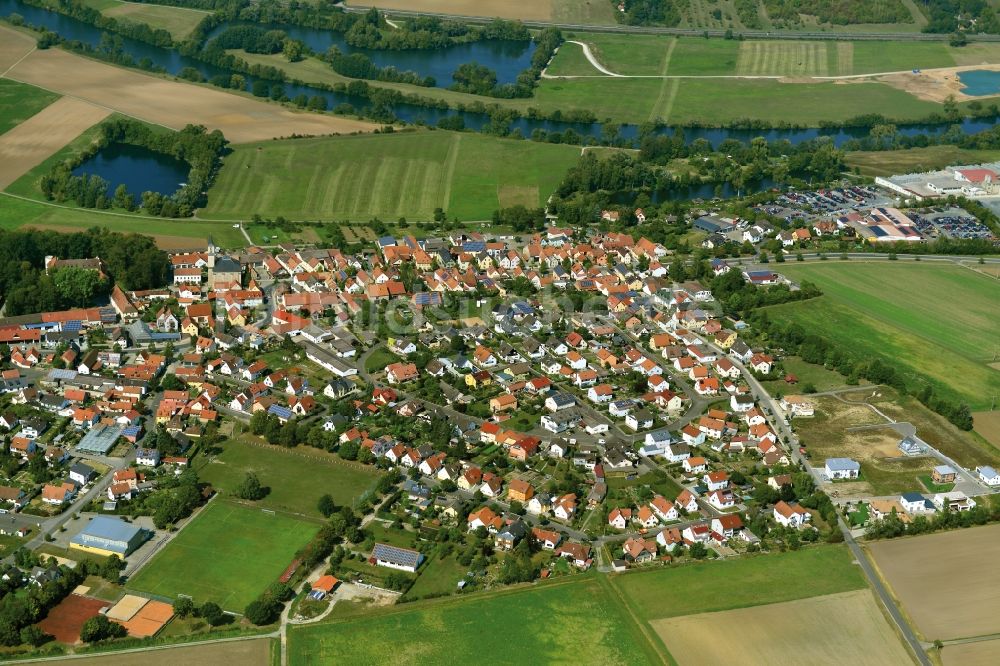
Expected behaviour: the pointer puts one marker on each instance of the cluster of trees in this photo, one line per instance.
(891, 526)
(131, 260)
(99, 628)
(839, 12)
(520, 218)
(251, 39)
(19, 612)
(208, 611)
(360, 66)
(649, 12)
(250, 488)
(173, 500)
(266, 608)
(194, 144)
(480, 80)
(820, 350)
(739, 297)
(944, 16)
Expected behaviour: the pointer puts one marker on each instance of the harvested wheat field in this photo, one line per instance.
(13, 46)
(30, 143)
(988, 425)
(948, 583)
(980, 653)
(525, 10)
(844, 628)
(171, 103)
(252, 652)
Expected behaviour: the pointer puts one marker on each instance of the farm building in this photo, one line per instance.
(396, 558)
(106, 536)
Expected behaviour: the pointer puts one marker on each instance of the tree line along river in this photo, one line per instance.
(508, 59)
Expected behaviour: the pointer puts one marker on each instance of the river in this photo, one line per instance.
(498, 55)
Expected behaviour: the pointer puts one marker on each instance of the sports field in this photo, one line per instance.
(391, 175)
(578, 621)
(19, 102)
(806, 631)
(228, 554)
(947, 582)
(729, 584)
(291, 475)
(937, 321)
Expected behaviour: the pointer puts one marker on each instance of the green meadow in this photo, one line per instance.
(936, 321)
(18, 102)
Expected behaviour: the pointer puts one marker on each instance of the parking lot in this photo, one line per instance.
(826, 203)
(950, 223)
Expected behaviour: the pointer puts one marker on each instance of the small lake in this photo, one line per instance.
(138, 169)
(978, 82)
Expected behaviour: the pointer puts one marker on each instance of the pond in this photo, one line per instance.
(506, 58)
(138, 169)
(980, 82)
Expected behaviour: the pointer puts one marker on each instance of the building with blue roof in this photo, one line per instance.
(282, 412)
(107, 535)
(842, 468)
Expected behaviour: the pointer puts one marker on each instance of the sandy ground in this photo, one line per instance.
(30, 143)
(948, 582)
(526, 10)
(987, 424)
(253, 652)
(982, 653)
(933, 85)
(807, 631)
(171, 103)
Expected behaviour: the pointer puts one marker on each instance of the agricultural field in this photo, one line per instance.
(542, 624)
(596, 12)
(729, 584)
(987, 424)
(178, 21)
(980, 653)
(18, 102)
(760, 634)
(168, 233)
(43, 134)
(946, 582)
(936, 321)
(70, 147)
(250, 652)
(915, 160)
(170, 103)
(290, 474)
(227, 554)
(784, 58)
(403, 174)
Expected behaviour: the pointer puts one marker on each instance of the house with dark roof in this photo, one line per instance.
(393, 557)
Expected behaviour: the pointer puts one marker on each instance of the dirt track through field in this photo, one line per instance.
(30, 143)
(170, 103)
(806, 631)
(948, 582)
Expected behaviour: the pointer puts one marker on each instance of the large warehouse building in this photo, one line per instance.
(105, 535)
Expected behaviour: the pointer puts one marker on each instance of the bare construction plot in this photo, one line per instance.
(845, 628)
(948, 583)
(171, 103)
(252, 652)
(26, 146)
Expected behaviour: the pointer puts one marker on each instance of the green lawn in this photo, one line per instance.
(936, 321)
(296, 478)
(438, 577)
(895, 476)
(570, 61)
(915, 160)
(19, 101)
(728, 584)
(695, 56)
(579, 621)
(860, 516)
(807, 373)
(900, 56)
(637, 55)
(935, 487)
(228, 554)
(405, 174)
(379, 359)
(805, 103)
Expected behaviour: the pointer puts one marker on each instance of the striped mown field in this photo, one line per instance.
(783, 58)
(406, 174)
